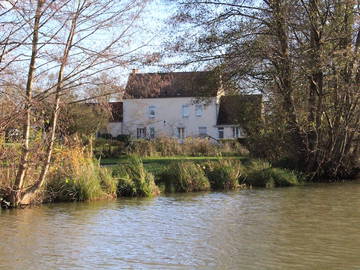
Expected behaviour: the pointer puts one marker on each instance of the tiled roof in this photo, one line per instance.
(239, 109)
(175, 84)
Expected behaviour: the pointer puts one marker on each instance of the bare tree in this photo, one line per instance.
(74, 40)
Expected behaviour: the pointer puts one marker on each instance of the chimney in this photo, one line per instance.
(134, 71)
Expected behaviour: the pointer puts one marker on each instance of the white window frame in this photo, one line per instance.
(152, 111)
(199, 110)
(181, 133)
(141, 132)
(201, 131)
(221, 131)
(185, 111)
(236, 132)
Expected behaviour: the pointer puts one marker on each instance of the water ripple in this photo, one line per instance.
(313, 227)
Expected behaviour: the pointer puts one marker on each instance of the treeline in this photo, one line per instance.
(303, 56)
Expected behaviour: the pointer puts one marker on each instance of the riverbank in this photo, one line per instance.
(83, 179)
(187, 174)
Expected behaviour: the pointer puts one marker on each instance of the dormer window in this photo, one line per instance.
(185, 111)
(152, 111)
(199, 108)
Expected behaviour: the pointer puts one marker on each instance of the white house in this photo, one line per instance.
(180, 104)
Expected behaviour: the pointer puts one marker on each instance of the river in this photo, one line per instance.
(309, 227)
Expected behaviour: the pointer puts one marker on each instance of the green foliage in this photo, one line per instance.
(135, 180)
(83, 119)
(224, 174)
(185, 177)
(104, 148)
(83, 181)
(272, 177)
(257, 165)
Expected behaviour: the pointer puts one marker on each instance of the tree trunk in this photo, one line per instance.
(285, 74)
(28, 195)
(16, 193)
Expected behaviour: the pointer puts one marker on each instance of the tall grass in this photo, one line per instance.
(262, 174)
(134, 179)
(184, 177)
(79, 178)
(224, 174)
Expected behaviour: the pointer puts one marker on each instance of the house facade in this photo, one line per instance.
(179, 105)
(177, 117)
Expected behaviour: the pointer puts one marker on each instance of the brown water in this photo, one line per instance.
(312, 227)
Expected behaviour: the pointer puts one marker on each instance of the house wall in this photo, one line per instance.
(114, 128)
(168, 116)
(228, 132)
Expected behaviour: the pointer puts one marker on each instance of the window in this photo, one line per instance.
(185, 111)
(236, 132)
(140, 133)
(221, 133)
(202, 131)
(199, 110)
(181, 133)
(152, 133)
(152, 111)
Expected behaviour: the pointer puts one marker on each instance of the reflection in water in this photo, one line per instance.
(312, 227)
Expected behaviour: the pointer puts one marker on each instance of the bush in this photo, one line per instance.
(200, 147)
(78, 178)
(224, 174)
(106, 136)
(231, 147)
(108, 148)
(134, 180)
(190, 147)
(185, 177)
(143, 148)
(126, 139)
(272, 177)
(165, 146)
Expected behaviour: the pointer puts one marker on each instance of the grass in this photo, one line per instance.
(134, 180)
(272, 177)
(157, 165)
(78, 178)
(184, 177)
(224, 174)
(169, 159)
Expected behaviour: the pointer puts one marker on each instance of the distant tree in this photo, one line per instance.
(303, 56)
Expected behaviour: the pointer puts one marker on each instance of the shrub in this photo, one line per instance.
(143, 148)
(272, 177)
(106, 136)
(124, 138)
(108, 148)
(231, 147)
(224, 174)
(165, 146)
(134, 180)
(200, 147)
(185, 177)
(78, 178)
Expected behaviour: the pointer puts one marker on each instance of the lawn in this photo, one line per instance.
(166, 160)
(156, 165)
